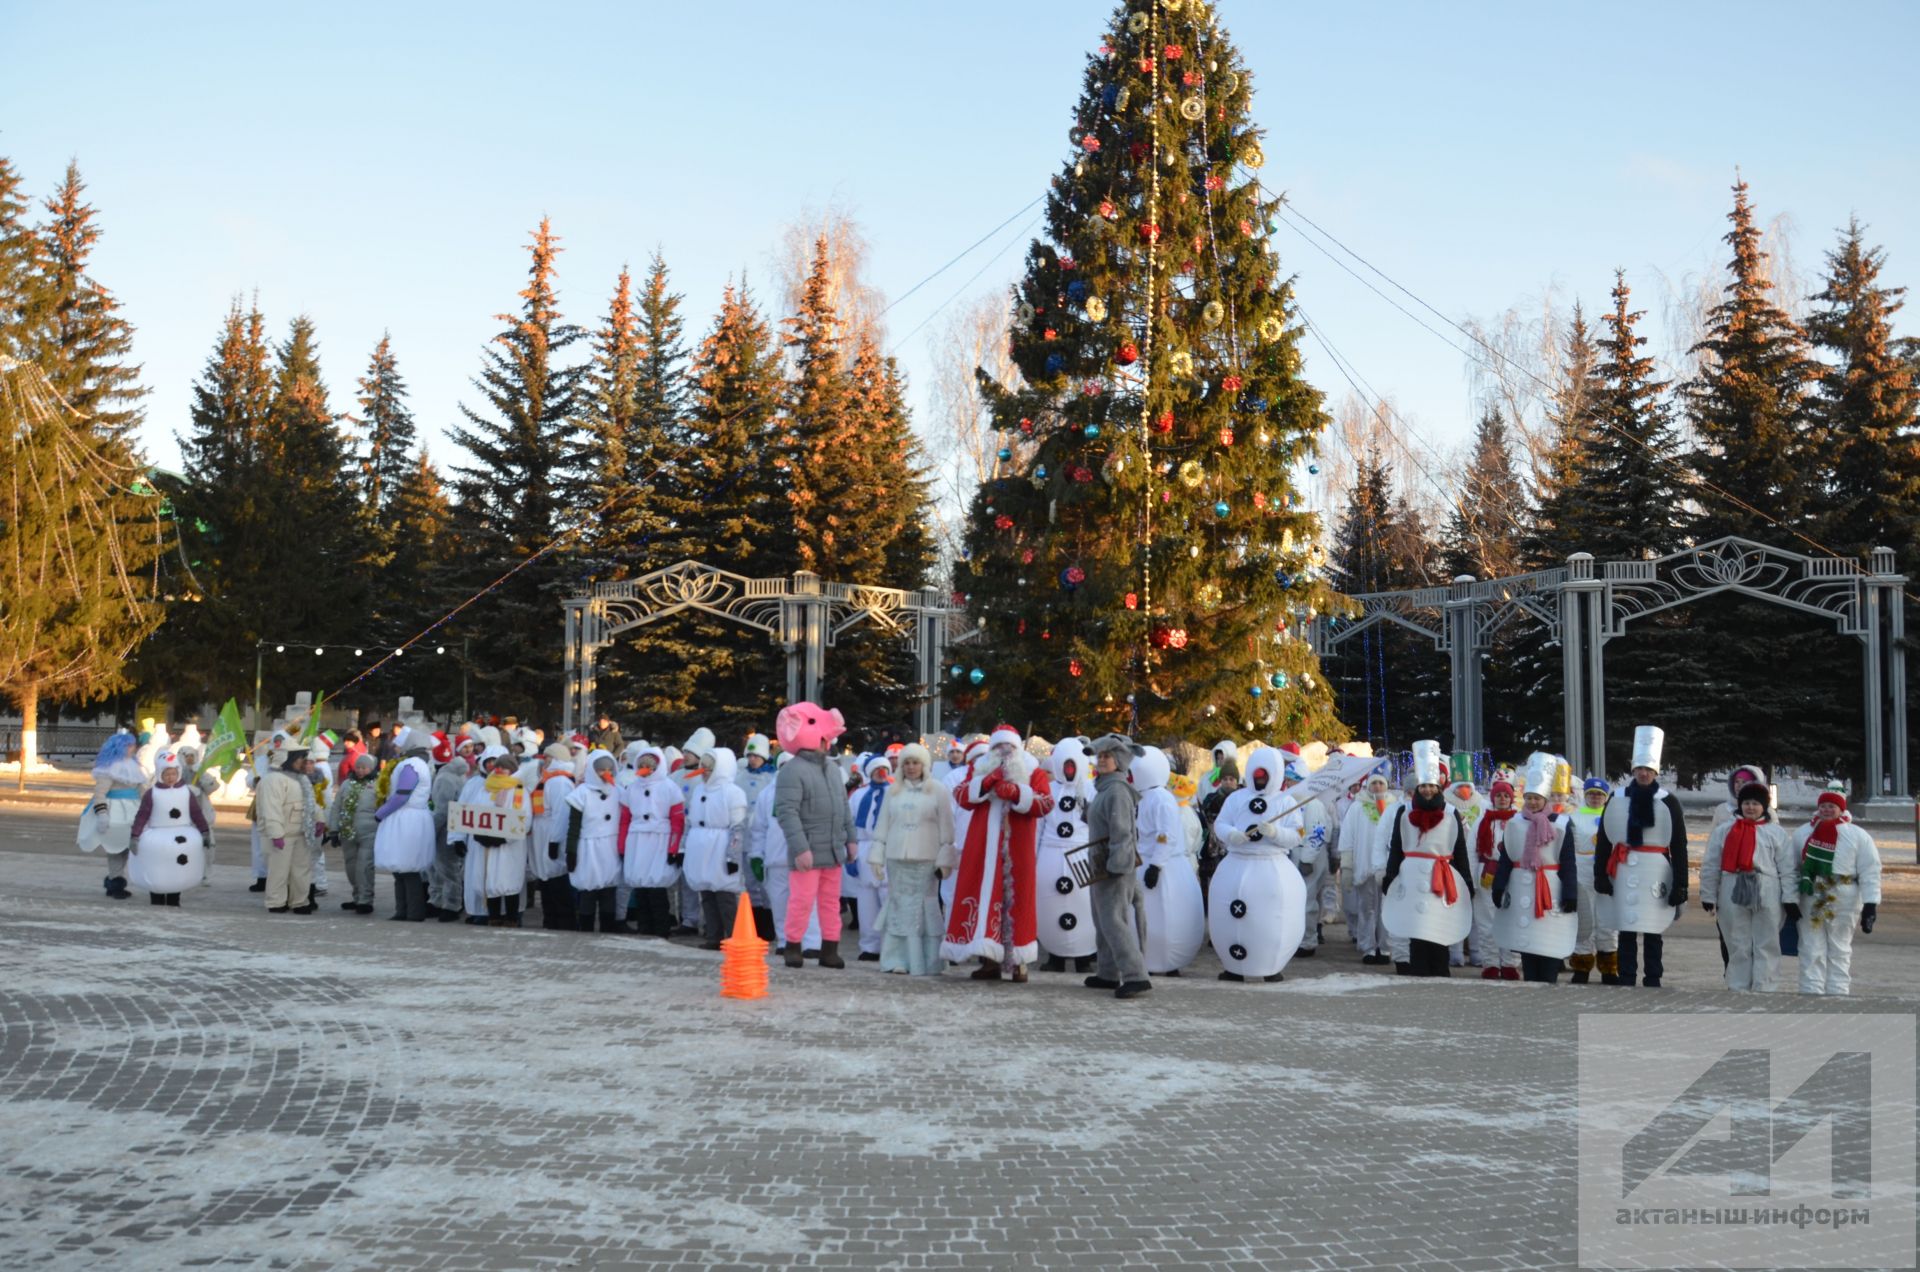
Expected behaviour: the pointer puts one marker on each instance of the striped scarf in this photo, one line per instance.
(1817, 861)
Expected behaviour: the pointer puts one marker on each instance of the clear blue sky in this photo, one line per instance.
(379, 166)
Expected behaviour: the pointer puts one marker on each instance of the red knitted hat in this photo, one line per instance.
(1833, 797)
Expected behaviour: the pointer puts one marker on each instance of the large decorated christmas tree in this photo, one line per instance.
(1140, 559)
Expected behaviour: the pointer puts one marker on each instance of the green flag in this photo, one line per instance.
(225, 746)
(312, 729)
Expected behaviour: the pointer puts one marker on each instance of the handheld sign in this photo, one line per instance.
(491, 820)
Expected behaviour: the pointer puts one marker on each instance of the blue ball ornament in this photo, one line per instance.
(1110, 96)
(976, 675)
(1278, 680)
(1076, 290)
(956, 671)
(1256, 691)
(1054, 363)
(1005, 453)
(1221, 509)
(1040, 471)
(1283, 578)
(1314, 469)
(1092, 431)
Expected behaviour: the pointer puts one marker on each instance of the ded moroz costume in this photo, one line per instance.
(993, 918)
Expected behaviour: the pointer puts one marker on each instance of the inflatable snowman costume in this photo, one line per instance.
(1258, 904)
(1064, 907)
(169, 834)
(1175, 912)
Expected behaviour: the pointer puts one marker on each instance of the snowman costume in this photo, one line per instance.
(862, 885)
(495, 867)
(1312, 824)
(552, 785)
(168, 834)
(656, 829)
(1175, 911)
(1747, 875)
(1427, 891)
(715, 844)
(106, 824)
(1594, 945)
(1363, 853)
(1257, 913)
(593, 844)
(1536, 882)
(1063, 908)
(1640, 862)
(1837, 885)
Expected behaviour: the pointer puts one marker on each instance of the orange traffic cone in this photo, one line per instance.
(743, 959)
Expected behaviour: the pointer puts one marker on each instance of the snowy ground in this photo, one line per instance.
(216, 1085)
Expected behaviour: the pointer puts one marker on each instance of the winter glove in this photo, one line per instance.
(1570, 905)
(804, 861)
(573, 860)
(1792, 910)
(675, 858)
(553, 852)
(279, 843)
(733, 867)
(759, 870)
(853, 869)
(1677, 898)
(487, 841)
(1233, 835)
(1868, 913)
(1007, 790)
(1706, 907)
(1153, 876)
(459, 849)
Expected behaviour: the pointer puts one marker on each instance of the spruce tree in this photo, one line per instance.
(519, 467)
(624, 516)
(723, 501)
(419, 584)
(83, 340)
(1565, 493)
(1780, 689)
(1389, 684)
(386, 425)
(1144, 563)
(1483, 530)
(827, 475)
(1868, 409)
(21, 278)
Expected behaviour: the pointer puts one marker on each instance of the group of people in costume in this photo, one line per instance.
(1007, 853)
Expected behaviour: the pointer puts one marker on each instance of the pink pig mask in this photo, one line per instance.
(803, 726)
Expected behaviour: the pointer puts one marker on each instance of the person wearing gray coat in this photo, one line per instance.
(1112, 855)
(810, 806)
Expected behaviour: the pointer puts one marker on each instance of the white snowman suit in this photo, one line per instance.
(1175, 912)
(1258, 902)
(868, 893)
(1826, 936)
(1063, 909)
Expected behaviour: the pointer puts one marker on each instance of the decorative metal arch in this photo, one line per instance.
(1588, 603)
(802, 615)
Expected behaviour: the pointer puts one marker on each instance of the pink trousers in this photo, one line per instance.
(807, 889)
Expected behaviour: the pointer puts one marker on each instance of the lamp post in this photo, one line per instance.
(259, 658)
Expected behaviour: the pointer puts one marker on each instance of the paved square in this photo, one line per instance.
(216, 1086)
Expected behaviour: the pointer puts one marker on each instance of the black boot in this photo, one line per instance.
(1084, 964)
(154, 898)
(1053, 963)
(830, 954)
(173, 899)
(791, 954)
(259, 885)
(416, 898)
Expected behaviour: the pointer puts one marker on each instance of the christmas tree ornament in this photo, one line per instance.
(1132, 600)
(1137, 23)
(977, 676)
(1314, 469)
(1284, 579)
(1193, 551)
(1024, 312)
(1306, 678)
(1230, 383)
(1128, 355)
(1054, 363)
(1192, 109)
(1316, 556)
(1286, 540)
(1072, 577)
(1096, 309)
(1278, 680)
(1026, 557)
(1149, 233)
(1255, 406)
(1263, 437)
(1163, 423)
(1259, 499)
(1270, 328)
(1161, 637)
(1253, 157)
(1226, 437)
(1209, 595)
(956, 671)
(1075, 133)
(1166, 496)
(1213, 314)
(1229, 84)
(1026, 426)
(1121, 98)
(1212, 710)
(1091, 431)
(1221, 509)
(1073, 667)
(1093, 388)
(1255, 690)
(1004, 454)
(1077, 290)
(1173, 52)
(1191, 474)
(1177, 638)
(1080, 472)
(1181, 363)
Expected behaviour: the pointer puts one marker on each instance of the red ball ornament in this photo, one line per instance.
(1092, 388)
(1073, 667)
(1138, 151)
(1108, 209)
(1226, 437)
(1132, 601)
(1050, 334)
(1026, 426)
(1259, 499)
(1045, 634)
(1090, 144)
(1129, 354)
(1026, 557)
(1161, 637)
(1280, 625)
(1021, 630)
(1230, 384)
(1246, 227)
(1150, 233)
(1146, 66)
(1003, 522)
(1080, 473)
(1066, 262)
(1174, 52)
(1189, 78)
(1075, 575)
(1166, 496)
(1164, 423)
(1215, 182)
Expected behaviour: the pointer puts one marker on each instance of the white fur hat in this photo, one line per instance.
(1004, 734)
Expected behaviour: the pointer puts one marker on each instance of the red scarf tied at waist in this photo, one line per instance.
(1444, 883)
(1539, 836)
(1483, 838)
(1736, 856)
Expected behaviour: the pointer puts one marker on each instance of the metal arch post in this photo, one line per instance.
(1581, 596)
(1574, 727)
(589, 651)
(1872, 698)
(1896, 679)
(1594, 645)
(1463, 622)
(570, 699)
